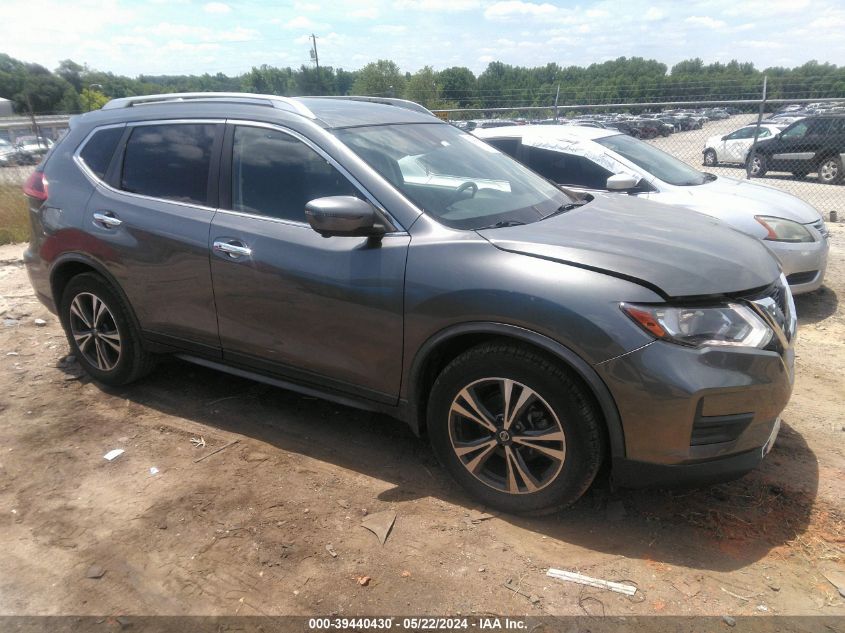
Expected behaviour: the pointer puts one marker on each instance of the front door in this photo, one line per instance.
(326, 312)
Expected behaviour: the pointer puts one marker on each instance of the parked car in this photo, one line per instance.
(586, 158)
(814, 144)
(625, 127)
(8, 153)
(661, 128)
(532, 335)
(733, 147)
(32, 148)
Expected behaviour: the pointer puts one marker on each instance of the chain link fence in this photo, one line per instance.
(797, 146)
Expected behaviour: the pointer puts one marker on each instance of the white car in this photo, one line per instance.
(591, 159)
(733, 147)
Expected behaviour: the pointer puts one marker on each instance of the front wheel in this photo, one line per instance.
(515, 429)
(710, 159)
(830, 170)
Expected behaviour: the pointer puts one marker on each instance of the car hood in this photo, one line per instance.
(725, 197)
(679, 255)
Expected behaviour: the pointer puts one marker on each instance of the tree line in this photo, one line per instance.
(73, 87)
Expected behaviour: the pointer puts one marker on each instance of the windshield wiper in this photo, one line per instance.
(566, 207)
(501, 224)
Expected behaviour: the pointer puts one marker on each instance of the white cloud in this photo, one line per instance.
(301, 22)
(216, 7)
(513, 8)
(202, 33)
(369, 13)
(306, 7)
(706, 21)
(438, 5)
(390, 29)
(594, 14)
(654, 14)
(486, 59)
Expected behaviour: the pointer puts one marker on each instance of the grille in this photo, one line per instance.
(776, 302)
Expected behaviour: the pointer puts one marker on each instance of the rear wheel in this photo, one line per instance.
(830, 170)
(710, 159)
(514, 429)
(101, 332)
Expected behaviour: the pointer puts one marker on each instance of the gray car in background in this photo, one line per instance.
(585, 158)
(370, 254)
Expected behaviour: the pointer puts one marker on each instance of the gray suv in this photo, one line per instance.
(363, 251)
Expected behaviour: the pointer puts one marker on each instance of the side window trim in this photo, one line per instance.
(225, 175)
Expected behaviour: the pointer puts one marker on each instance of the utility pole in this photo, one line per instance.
(749, 164)
(557, 94)
(314, 53)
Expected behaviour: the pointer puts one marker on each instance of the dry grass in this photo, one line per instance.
(14, 221)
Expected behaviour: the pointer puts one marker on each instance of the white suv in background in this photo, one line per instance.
(733, 147)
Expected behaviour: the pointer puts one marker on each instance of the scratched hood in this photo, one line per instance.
(681, 253)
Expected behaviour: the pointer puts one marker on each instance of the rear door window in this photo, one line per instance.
(509, 146)
(99, 149)
(170, 161)
(567, 169)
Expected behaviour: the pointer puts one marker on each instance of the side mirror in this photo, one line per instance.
(343, 216)
(622, 182)
(725, 137)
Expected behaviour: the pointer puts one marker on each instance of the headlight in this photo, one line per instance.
(732, 325)
(782, 230)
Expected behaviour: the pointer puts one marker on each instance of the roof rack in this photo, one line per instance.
(282, 103)
(399, 103)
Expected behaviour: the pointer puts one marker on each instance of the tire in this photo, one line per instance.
(758, 167)
(101, 332)
(830, 170)
(466, 415)
(710, 159)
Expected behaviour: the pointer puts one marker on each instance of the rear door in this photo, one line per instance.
(149, 218)
(321, 311)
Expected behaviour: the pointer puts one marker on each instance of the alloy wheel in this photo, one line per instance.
(94, 330)
(829, 170)
(506, 435)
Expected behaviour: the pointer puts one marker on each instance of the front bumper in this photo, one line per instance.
(800, 261)
(695, 415)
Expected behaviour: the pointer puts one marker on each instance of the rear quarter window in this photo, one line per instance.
(98, 151)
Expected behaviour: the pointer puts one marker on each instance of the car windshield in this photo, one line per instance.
(654, 161)
(458, 179)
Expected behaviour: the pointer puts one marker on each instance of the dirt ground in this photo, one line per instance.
(249, 529)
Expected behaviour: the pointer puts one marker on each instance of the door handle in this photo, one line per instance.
(107, 219)
(232, 248)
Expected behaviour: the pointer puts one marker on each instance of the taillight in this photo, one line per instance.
(36, 186)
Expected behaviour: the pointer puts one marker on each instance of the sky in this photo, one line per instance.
(131, 37)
